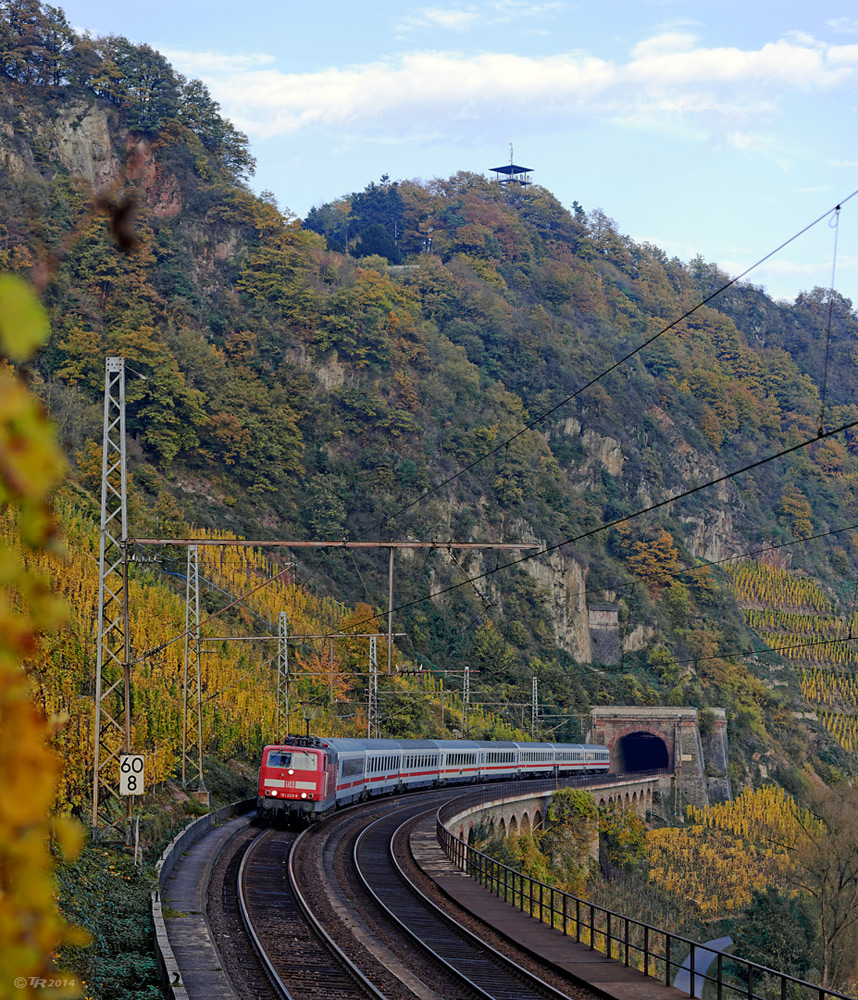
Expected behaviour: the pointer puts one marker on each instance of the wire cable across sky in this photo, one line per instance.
(535, 421)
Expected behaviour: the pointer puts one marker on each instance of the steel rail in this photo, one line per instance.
(271, 975)
(506, 964)
(327, 943)
(315, 923)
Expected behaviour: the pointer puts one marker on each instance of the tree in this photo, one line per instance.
(35, 42)
(775, 930)
(572, 834)
(202, 116)
(375, 239)
(625, 834)
(795, 511)
(150, 87)
(825, 869)
(654, 561)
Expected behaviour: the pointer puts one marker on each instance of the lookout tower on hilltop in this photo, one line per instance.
(512, 173)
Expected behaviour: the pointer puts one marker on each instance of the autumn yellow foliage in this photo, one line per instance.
(844, 728)
(793, 616)
(714, 871)
(238, 678)
(728, 850)
(759, 584)
(31, 464)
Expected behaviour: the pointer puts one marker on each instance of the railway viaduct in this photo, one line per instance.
(689, 742)
(526, 811)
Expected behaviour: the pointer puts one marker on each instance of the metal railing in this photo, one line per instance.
(651, 950)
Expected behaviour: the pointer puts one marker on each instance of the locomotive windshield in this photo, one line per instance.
(298, 760)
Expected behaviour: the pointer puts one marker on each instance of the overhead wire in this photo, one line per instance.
(621, 361)
(732, 558)
(739, 654)
(627, 517)
(537, 420)
(591, 382)
(836, 227)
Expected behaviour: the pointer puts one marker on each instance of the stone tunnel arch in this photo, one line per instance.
(639, 751)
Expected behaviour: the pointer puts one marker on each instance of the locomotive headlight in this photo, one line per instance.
(303, 795)
(274, 793)
(291, 771)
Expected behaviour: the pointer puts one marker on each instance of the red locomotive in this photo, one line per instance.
(309, 777)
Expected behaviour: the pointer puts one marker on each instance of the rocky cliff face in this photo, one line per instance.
(78, 136)
(74, 133)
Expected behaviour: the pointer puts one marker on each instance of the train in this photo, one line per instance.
(306, 778)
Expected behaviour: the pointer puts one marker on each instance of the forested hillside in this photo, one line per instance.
(324, 380)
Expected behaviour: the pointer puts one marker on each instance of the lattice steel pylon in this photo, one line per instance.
(466, 703)
(283, 678)
(534, 710)
(192, 694)
(112, 729)
(372, 690)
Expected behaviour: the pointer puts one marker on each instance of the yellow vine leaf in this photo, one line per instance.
(31, 464)
(24, 323)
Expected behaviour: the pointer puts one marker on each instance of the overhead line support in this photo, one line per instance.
(112, 705)
(283, 677)
(192, 703)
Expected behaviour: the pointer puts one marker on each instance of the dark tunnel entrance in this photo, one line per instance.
(640, 752)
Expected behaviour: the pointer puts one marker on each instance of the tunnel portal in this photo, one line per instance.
(640, 751)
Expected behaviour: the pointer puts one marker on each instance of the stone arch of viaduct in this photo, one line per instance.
(525, 812)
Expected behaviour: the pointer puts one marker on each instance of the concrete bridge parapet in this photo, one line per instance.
(523, 812)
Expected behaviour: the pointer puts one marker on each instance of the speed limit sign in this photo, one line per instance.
(131, 774)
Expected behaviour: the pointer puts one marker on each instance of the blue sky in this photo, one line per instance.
(712, 128)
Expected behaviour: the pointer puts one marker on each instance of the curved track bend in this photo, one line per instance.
(341, 912)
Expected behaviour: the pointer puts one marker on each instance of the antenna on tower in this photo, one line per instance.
(511, 173)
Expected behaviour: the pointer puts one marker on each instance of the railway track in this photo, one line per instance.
(300, 960)
(484, 970)
(332, 914)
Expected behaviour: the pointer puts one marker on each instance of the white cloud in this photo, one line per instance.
(486, 13)
(843, 54)
(670, 83)
(753, 142)
(439, 17)
(674, 59)
(845, 25)
(201, 63)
